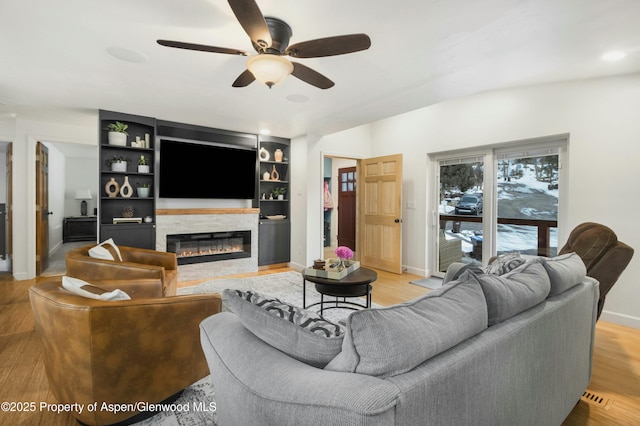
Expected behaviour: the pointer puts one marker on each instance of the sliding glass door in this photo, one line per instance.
(503, 200)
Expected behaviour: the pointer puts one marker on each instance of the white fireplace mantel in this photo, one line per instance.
(185, 221)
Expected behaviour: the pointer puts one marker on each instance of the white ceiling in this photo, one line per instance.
(53, 56)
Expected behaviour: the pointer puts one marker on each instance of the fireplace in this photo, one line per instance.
(209, 246)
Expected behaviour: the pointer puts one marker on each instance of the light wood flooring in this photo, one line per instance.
(616, 369)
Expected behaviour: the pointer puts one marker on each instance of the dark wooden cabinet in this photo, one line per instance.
(274, 241)
(122, 213)
(275, 226)
(79, 228)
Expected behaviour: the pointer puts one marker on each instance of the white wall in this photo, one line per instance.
(80, 173)
(25, 134)
(600, 116)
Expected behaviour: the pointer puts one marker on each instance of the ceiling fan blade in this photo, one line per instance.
(310, 76)
(201, 47)
(244, 79)
(252, 21)
(330, 46)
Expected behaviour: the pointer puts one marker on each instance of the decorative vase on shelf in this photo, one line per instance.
(278, 155)
(274, 174)
(126, 190)
(143, 169)
(117, 138)
(264, 154)
(266, 176)
(112, 188)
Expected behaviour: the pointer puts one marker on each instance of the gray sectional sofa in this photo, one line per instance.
(485, 349)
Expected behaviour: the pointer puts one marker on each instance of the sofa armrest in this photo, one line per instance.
(245, 366)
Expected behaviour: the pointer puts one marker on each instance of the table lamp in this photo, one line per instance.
(83, 194)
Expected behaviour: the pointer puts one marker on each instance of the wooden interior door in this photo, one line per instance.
(9, 209)
(347, 179)
(42, 208)
(380, 212)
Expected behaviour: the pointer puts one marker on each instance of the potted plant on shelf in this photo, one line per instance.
(117, 133)
(143, 190)
(143, 166)
(278, 193)
(118, 163)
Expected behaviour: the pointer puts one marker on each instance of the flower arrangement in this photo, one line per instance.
(344, 252)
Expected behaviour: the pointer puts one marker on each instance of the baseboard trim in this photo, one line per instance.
(416, 271)
(621, 319)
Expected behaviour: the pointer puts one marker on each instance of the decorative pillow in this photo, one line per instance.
(106, 253)
(390, 341)
(564, 271)
(516, 291)
(504, 263)
(300, 333)
(84, 289)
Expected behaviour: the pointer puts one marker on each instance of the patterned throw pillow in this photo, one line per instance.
(504, 263)
(300, 333)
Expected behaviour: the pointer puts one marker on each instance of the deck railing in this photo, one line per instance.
(544, 227)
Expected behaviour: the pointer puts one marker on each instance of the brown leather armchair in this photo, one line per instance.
(136, 264)
(146, 349)
(604, 256)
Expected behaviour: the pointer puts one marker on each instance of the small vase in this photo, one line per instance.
(278, 155)
(143, 168)
(274, 174)
(112, 188)
(126, 190)
(342, 265)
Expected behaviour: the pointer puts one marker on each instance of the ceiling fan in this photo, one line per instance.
(270, 38)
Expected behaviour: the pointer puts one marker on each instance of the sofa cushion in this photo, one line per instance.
(389, 341)
(514, 292)
(504, 263)
(300, 333)
(84, 289)
(564, 272)
(106, 250)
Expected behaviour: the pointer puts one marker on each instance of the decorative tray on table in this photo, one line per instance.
(331, 271)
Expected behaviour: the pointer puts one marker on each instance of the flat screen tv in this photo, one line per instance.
(204, 170)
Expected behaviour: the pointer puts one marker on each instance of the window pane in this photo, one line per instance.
(528, 191)
(461, 206)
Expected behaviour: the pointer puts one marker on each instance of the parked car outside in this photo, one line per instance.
(469, 204)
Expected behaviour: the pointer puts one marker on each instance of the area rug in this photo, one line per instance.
(432, 283)
(196, 405)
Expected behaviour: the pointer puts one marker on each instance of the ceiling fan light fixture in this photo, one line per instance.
(269, 69)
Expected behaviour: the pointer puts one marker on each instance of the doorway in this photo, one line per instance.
(339, 205)
(6, 241)
(72, 170)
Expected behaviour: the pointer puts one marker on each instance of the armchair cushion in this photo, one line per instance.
(84, 289)
(300, 333)
(102, 252)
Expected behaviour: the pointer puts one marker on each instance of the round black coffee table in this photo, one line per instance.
(356, 284)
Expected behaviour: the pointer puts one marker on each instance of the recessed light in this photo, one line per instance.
(265, 132)
(126, 54)
(299, 99)
(614, 55)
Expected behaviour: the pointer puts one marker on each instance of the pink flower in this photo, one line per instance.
(344, 252)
